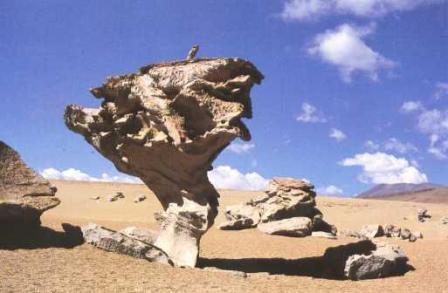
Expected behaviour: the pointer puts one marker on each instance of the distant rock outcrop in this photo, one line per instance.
(166, 125)
(24, 194)
(287, 208)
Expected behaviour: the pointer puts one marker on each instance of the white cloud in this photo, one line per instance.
(441, 90)
(78, 175)
(434, 123)
(393, 144)
(305, 10)
(225, 177)
(330, 190)
(241, 148)
(337, 134)
(371, 146)
(382, 168)
(310, 114)
(411, 106)
(345, 48)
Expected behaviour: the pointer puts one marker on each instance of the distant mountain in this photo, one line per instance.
(425, 192)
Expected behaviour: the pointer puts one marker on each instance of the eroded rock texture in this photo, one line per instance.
(166, 125)
(288, 207)
(24, 194)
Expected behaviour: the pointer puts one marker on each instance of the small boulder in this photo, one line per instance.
(139, 198)
(296, 227)
(405, 234)
(323, 235)
(444, 221)
(384, 261)
(371, 231)
(95, 198)
(392, 230)
(422, 215)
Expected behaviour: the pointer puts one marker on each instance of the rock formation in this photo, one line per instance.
(113, 241)
(24, 194)
(388, 230)
(166, 125)
(287, 208)
(365, 260)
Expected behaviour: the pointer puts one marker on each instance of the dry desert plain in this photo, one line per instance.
(273, 263)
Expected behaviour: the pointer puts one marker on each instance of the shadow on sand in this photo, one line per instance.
(17, 237)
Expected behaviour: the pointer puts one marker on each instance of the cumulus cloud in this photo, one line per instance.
(225, 177)
(344, 47)
(306, 10)
(382, 168)
(441, 90)
(337, 134)
(241, 148)
(78, 175)
(310, 114)
(393, 144)
(330, 190)
(434, 123)
(411, 106)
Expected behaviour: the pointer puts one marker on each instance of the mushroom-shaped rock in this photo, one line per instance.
(24, 194)
(166, 125)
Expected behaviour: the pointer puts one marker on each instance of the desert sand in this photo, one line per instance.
(273, 263)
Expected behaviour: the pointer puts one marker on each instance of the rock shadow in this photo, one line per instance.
(329, 266)
(20, 237)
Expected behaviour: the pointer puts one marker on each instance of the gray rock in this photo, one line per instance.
(297, 227)
(392, 230)
(349, 233)
(444, 220)
(371, 231)
(142, 234)
(241, 217)
(24, 194)
(422, 215)
(113, 241)
(418, 235)
(139, 198)
(405, 234)
(383, 262)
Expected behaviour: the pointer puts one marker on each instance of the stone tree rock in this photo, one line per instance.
(166, 124)
(24, 194)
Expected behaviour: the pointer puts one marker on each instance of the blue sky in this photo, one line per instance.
(356, 92)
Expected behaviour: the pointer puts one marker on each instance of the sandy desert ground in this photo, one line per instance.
(273, 263)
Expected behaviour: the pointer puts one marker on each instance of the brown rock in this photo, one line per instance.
(166, 125)
(24, 194)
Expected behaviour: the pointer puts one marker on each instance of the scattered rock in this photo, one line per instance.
(371, 231)
(113, 241)
(297, 227)
(166, 124)
(229, 272)
(365, 260)
(349, 233)
(418, 235)
(422, 215)
(392, 230)
(405, 234)
(444, 220)
(323, 235)
(119, 195)
(139, 198)
(24, 194)
(95, 198)
(142, 234)
(241, 217)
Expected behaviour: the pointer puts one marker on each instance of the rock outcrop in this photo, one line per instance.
(24, 194)
(287, 208)
(388, 230)
(117, 242)
(166, 124)
(365, 260)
